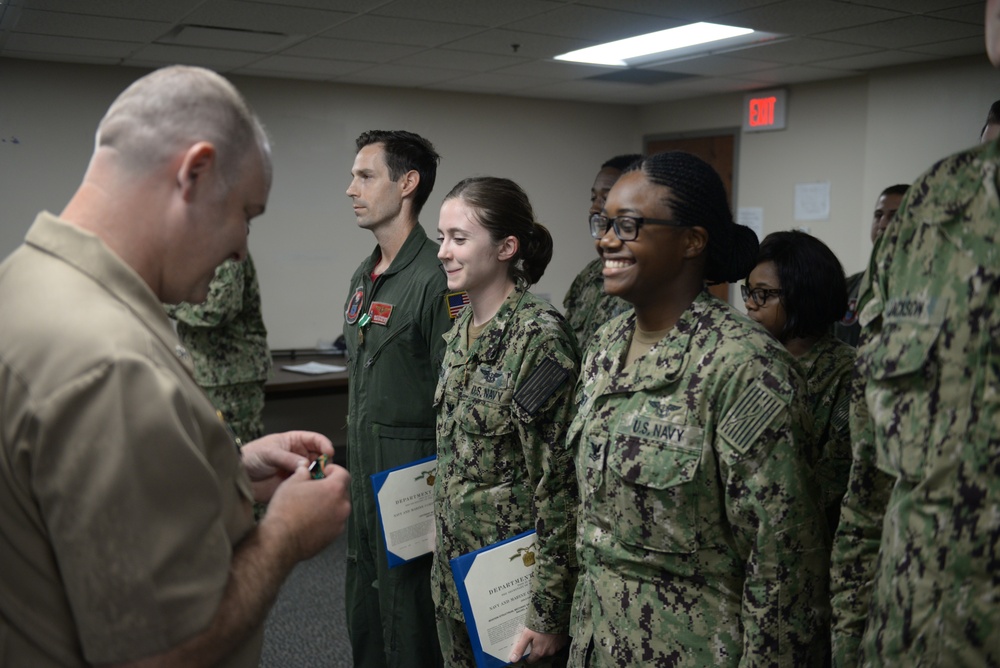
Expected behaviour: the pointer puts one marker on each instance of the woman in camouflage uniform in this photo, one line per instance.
(701, 540)
(504, 401)
(797, 292)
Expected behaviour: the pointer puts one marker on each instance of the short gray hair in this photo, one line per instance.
(176, 106)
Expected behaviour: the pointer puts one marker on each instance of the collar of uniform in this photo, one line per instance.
(89, 255)
(487, 346)
(407, 252)
(665, 362)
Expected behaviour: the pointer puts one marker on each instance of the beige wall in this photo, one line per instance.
(860, 134)
(307, 245)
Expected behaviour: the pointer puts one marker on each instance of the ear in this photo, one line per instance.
(508, 248)
(696, 241)
(197, 164)
(409, 182)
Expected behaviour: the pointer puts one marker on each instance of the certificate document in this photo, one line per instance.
(405, 500)
(494, 584)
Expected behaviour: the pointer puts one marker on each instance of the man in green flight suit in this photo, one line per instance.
(394, 318)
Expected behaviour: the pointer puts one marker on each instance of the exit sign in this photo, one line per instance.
(765, 110)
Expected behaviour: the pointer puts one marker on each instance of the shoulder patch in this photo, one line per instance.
(841, 414)
(755, 409)
(456, 301)
(544, 380)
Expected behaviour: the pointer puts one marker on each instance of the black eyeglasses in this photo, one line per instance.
(626, 227)
(758, 295)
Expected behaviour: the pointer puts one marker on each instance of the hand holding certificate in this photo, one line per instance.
(494, 584)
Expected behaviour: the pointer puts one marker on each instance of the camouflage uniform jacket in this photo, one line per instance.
(225, 334)
(924, 531)
(587, 306)
(828, 367)
(701, 541)
(503, 463)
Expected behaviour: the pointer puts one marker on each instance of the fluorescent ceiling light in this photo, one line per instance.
(654, 44)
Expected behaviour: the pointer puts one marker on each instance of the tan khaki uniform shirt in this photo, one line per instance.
(121, 492)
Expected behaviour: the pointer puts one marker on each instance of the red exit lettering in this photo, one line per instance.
(762, 111)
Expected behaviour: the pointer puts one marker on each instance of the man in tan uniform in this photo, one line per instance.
(126, 526)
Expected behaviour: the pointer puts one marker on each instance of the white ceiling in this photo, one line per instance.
(503, 47)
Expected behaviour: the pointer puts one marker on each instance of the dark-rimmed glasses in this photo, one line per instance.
(758, 295)
(626, 227)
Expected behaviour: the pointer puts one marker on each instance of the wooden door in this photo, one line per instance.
(716, 150)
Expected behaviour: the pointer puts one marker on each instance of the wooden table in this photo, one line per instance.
(283, 383)
(304, 401)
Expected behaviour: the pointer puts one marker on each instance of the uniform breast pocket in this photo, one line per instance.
(901, 396)
(652, 489)
(486, 441)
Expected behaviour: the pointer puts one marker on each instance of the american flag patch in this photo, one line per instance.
(456, 302)
(746, 421)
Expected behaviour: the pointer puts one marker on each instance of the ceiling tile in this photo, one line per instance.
(599, 25)
(799, 51)
(717, 66)
(295, 66)
(399, 75)
(704, 10)
(91, 27)
(400, 31)
(796, 16)
(531, 45)
(967, 46)
(158, 55)
(485, 14)
(345, 49)
(902, 33)
(171, 11)
(266, 17)
(52, 46)
(871, 61)
(463, 60)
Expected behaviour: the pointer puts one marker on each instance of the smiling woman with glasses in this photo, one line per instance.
(700, 532)
(797, 292)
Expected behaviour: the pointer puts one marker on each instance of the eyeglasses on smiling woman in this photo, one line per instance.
(626, 227)
(758, 295)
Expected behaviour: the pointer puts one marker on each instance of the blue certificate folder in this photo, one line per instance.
(407, 520)
(493, 586)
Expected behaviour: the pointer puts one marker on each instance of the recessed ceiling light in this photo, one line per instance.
(631, 50)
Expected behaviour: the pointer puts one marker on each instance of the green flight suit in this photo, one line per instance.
(394, 350)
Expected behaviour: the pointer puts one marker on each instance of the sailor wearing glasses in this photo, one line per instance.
(701, 540)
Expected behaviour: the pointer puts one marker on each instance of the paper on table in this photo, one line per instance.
(314, 368)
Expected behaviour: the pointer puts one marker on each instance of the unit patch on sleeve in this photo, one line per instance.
(354, 308)
(750, 416)
(544, 380)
